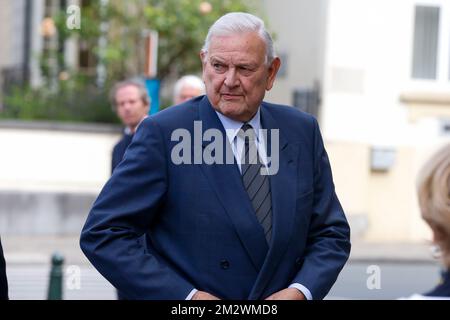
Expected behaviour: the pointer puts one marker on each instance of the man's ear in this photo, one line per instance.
(273, 70)
(203, 57)
(203, 60)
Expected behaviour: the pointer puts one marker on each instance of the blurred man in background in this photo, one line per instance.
(188, 87)
(132, 104)
(3, 281)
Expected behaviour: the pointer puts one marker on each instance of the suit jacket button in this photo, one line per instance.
(224, 264)
(298, 261)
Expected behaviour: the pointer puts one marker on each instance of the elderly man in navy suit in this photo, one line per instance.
(234, 195)
(3, 281)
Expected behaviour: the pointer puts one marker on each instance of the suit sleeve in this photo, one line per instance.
(124, 211)
(328, 243)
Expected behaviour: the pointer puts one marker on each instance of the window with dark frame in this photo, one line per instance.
(426, 37)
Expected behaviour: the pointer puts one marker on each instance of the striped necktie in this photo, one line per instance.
(256, 184)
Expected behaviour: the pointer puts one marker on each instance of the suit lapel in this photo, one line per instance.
(227, 184)
(283, 187)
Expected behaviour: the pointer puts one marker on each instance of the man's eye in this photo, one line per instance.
(245, 70)
(218, 66)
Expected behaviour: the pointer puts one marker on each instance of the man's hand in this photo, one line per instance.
(202, 295)
(287, 294)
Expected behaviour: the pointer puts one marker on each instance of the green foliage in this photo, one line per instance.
(78, 103)
(182, 28)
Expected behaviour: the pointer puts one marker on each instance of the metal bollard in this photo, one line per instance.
(55, 287)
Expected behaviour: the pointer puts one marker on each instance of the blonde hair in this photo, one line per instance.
(433, 188)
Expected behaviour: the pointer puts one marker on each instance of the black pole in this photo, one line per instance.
(27, 40)
(55, 285)
(62, 42)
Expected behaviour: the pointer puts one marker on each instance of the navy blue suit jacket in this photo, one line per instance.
(200, 228)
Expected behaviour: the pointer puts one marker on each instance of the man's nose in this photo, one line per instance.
(127, 105)
(231, 78)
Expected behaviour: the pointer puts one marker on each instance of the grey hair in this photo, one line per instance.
(238, 23)
(191, 81)
(130, 82)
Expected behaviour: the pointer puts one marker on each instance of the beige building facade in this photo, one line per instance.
(383, 72)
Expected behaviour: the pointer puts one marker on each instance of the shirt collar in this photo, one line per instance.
(232, 126)
(127, 131)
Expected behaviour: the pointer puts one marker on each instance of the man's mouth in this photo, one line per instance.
(230, 96)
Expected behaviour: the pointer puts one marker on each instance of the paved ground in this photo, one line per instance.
(394, 280)
(28, 266)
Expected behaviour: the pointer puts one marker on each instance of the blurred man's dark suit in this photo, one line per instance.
(119, 149)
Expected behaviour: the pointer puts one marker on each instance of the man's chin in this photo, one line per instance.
(131, 125)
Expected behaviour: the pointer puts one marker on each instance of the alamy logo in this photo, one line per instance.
(73, 20)
(217, 151)
(73, 281)
(374, 278)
